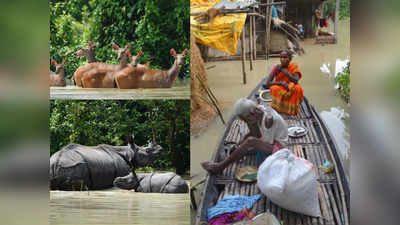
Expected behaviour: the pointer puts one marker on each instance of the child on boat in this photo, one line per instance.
(283, 80)
(268, 133)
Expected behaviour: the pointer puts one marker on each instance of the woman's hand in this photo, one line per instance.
(279, 67)
(285, 85)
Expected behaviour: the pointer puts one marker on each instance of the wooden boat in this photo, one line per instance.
(317, 146)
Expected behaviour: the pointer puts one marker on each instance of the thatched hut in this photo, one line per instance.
(200, 110)
(267, 40)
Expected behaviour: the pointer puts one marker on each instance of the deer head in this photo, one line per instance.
(86, 51)
(135, 58)
(59, 67)
(122, 52)
(179, 58)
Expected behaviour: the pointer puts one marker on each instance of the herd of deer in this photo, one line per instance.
(125, 76)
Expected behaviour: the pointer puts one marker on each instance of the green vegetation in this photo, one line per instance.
(110, 122)
(343, 79)
(154, 26)
(344, 9)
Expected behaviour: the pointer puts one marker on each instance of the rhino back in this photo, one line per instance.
(98, 166)
(163, 183)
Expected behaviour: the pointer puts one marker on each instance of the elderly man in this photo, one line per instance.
(268, 133)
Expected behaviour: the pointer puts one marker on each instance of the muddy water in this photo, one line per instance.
(225, 80)
(116, 206)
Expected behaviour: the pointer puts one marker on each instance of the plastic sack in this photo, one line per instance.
(290, 182)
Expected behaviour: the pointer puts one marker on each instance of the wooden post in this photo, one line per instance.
(254, 37)
(243, 55)
(267, 27)
(336, 19)
(250, 24)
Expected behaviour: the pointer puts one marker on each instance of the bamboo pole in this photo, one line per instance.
(254, 37)
(323, 204)
(273, 3)
(250, 25)
(212, 100)
(335, 208)
(267, 28)
(243, 56)
(336, 19)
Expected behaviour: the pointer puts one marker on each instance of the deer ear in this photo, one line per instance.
(63, 61)
(94, 46)
(185, 52)
(140, 53)
(127, 46)
(115, 46)
(54, 62)
(128, 53)
(89, 43)
(173, 52)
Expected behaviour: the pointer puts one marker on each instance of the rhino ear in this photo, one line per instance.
(131, 139)
(131, 143)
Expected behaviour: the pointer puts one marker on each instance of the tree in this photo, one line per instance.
(154, 26)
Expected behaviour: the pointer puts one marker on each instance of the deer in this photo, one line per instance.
(143, 77)
(88, 52)
(135, 59)
(57, 78)
(147, 64)
(101, 75)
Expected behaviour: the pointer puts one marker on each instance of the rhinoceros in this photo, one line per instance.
(152, 183)
(77, 166)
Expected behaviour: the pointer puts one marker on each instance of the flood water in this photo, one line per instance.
(225, 80)
(117, 206)
(179, 90)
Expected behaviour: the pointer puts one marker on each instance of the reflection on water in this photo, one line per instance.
(116, 206)
(340, 65)
(337, 121)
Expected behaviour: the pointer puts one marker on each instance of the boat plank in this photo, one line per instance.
(334, 205)
(329, 219)
(337, 197)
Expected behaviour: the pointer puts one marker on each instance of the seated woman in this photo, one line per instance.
(283, 80)
(268, 133)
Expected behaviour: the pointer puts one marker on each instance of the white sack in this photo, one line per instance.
(290, 182)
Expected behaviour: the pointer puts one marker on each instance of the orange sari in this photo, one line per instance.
(282, 99)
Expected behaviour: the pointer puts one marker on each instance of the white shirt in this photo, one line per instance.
(278, 131)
